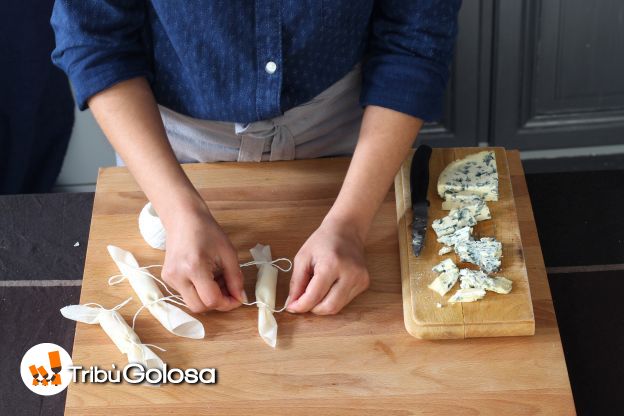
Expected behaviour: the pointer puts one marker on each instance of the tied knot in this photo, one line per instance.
(265, 133)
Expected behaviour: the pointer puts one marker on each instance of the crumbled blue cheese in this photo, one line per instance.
(444, 282)
(445, 266)
(485, 253)
(467, 295)
(462, 234)
(456, 219)
(449, 273)
(475, 174)
(476, 279)
(444, 250)
(444, 226)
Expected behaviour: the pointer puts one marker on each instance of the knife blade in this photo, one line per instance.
(419, 184)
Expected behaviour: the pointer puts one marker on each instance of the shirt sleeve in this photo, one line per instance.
(406, 66)
(99, 43)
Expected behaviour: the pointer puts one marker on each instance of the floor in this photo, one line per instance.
(38, 236)
(579, 215)
(580, 221)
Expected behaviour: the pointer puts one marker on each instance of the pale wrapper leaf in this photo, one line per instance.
(124, 337)
(81, 313)
(266, 287)
(174, 319)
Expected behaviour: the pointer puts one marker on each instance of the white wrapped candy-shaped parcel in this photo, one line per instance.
(151, 227)
(117, 330)
(174, 319)
(266, 286)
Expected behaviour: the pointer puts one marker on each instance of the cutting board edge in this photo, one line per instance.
(515, 204)
(468, 330)
(412, 325)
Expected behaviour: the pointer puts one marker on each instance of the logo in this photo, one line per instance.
(45, 369)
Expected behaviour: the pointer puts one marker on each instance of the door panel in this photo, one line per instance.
(465, 114)
(557, 73)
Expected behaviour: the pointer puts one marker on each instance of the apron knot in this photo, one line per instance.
(261, 135)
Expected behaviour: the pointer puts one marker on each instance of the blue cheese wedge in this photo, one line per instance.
(461, 235)
(457, 198)
(467, 295)
(477, 207)
(475, 174)
(456, 219)
(485, 253)
(449, 274)
(476, 279)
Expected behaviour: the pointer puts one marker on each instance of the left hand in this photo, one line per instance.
(329, 270)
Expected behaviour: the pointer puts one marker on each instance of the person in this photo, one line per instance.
(207, 81)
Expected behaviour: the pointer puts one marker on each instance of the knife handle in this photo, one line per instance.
(419, 179)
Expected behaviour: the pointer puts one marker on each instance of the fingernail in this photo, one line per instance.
(243, 296)
(287, 301)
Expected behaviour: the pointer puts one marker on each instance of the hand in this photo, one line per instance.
(201, 263)
(329, 270)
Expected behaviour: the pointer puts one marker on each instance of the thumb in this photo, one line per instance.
(232, 274)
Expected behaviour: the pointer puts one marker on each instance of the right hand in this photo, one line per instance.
(201, 263)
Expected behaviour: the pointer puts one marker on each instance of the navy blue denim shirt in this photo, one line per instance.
(243, 61)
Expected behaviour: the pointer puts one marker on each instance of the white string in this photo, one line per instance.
(258, 302)
(151, 345)
(112, 281)
(173, 298)
(118, 278)
(272, 263)
(119, 319)
(115, 308)
(177, 299)
(96, 304)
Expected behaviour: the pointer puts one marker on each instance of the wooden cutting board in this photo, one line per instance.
(495, 314)
(359, 362)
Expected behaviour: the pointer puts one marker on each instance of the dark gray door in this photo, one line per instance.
(558, 73)
(467, 97)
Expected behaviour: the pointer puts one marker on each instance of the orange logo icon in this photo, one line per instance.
(55, 366)
(50, 378)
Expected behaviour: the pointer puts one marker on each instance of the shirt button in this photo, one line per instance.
(270, 67)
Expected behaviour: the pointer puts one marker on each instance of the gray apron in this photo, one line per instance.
(327, 125)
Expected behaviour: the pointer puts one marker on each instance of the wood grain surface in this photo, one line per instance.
(359, 362)
(494, 315)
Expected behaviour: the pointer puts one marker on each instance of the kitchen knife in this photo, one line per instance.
(419, 183)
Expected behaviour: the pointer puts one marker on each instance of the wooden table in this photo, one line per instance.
(359, 362)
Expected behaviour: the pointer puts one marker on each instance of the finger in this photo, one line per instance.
(316, 290)
(300, 277)
(211, 295)
(232, 275)
(191, 297)
(221, 282)
(340, 294)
